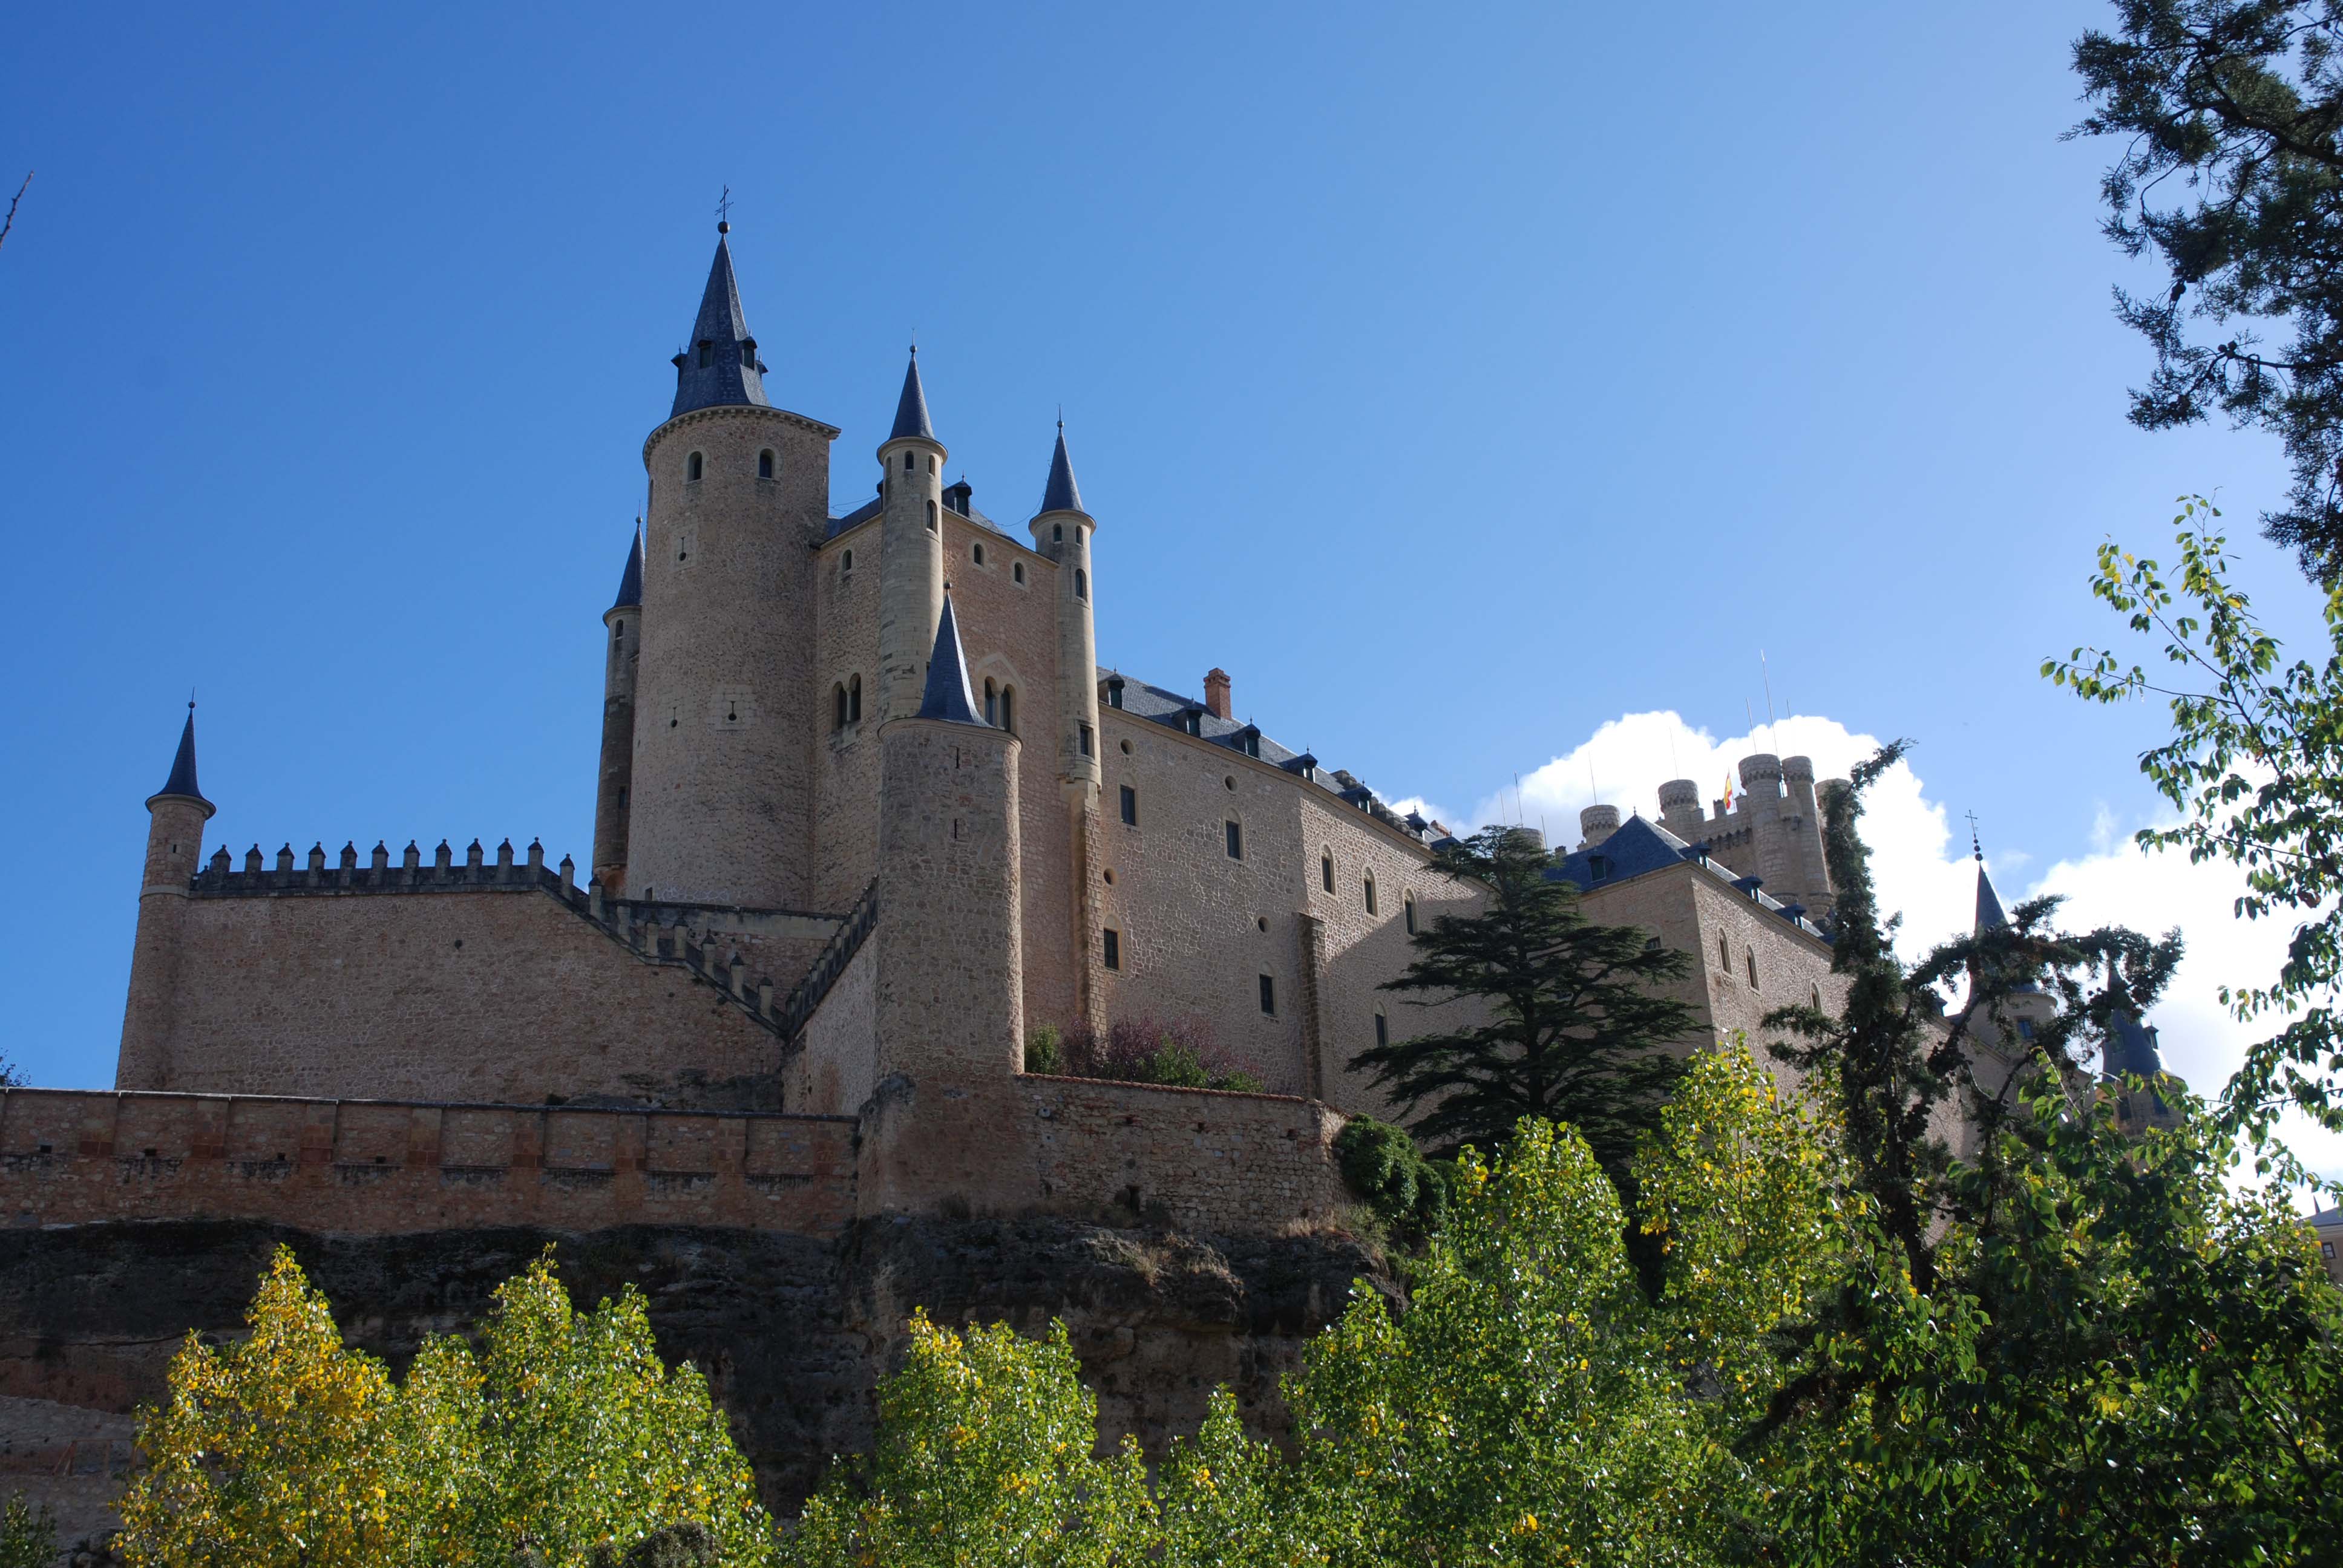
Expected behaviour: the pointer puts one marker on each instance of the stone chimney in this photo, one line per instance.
(1216, 692)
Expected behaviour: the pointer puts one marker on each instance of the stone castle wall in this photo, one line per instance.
(71, 1157)
(475, 983)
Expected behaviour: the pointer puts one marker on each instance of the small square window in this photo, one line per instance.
(1235, 839)
(1130, 807)
(1268, 995)
(1110, 949)
(2025, 1029)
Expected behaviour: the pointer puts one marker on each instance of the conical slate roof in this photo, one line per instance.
(2131, 1049)
(1990, 915)
(182, 781)
(911, 407)
(631, 582)
(1062, 494)
(718, 368)
(947, 696)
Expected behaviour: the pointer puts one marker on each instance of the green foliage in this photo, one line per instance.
(2255, 766)
(28, 1536)
(1531, 1406)
(563, 1435)
(1045, 1050)
(2231, 175)
(1382, 1165)
(1566, 1019)
(984, 1461)
(1178, 1054)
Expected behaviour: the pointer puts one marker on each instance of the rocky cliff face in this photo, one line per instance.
(793, 1333)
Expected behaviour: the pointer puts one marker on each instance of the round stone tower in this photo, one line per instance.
(911, 550)
(1061, 531)
(622, 657)
(174, 841)
(720, 807)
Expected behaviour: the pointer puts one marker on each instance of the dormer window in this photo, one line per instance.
(706, 354)
(1193, 721)
(1598, 868)
(1114, 692)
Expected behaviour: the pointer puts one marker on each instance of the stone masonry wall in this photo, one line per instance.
(833, 1070)
(72, 1157)
(481, 993)
(1257, 1164)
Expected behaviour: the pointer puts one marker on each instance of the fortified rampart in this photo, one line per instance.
(357, 1167)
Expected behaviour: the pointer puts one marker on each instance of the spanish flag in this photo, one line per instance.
(1728, 791)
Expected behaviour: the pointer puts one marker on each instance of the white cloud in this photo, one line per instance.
(1925, 871)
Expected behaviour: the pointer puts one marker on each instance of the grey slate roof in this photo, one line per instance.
(1636, 847)
(2132, 1051)
(911, 407)
(630, 581)
(733, 376)
(182, 781)
(1062, 494)
(947, 694)
(877, 504)
(1989, 916)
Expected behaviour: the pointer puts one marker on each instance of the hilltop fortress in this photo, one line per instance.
(868, 813)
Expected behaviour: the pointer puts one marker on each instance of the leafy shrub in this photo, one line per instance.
(1178, 1052)
(1381, 1163)
(28, 1537)
(1045, 1050)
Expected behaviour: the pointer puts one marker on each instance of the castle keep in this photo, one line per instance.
(868, 813)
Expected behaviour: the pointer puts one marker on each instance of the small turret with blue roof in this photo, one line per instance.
(718, 367)
(911, 421)
(1060, 494)
(631, 579)
(181, 785)
(947, 697)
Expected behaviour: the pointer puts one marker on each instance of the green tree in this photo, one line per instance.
(984, 1460)
(2231, 175)
(2255, 769)
(564, 1436)
(28, 1535)
(1554, 1018)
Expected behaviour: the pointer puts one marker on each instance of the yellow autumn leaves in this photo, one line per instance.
(561, 1433)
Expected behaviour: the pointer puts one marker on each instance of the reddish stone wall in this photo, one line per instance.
(831, 1073)
(382, 1168)
(1256, 1163)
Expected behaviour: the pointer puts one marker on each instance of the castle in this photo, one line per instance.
(868, 813)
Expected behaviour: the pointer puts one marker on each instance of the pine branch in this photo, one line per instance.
(10, 222)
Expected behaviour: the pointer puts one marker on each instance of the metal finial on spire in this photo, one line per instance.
(724, 211)
(1977, 846)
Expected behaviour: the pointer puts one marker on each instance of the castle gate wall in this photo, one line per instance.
(72, 1157)
(475, 993)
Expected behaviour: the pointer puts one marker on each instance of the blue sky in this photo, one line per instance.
(1460, 379)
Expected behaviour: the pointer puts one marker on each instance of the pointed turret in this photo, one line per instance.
(911, 407)
(1990, 915)
(1062, 494)
(182, 782)
(630, 581)
(947, 696)
(719, 367)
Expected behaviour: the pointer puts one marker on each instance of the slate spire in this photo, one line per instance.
(718, 367)
(182, 781)
(630, 581)
(947, 696)
(1062, 494)
(911, 407)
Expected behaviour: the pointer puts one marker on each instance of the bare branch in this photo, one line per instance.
(10, 222)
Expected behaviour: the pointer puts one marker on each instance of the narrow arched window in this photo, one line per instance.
(1382, 1028)
(691, 470)
(854, 699)
(1057, 533)
(1723, 954)
(931, 516)
(764, 464)
(976, 552)
(1009, 709)
(1370, 895)
(1081, 584)
(1326, 871)
(848, 564)
(838, 706)
(1407, 908)
(1752, 956)
(992, 703)
(1017, 573)
(907, 462)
